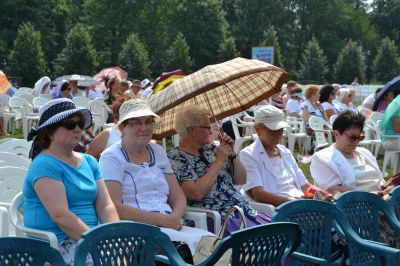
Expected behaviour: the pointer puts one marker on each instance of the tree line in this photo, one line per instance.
(314, 40)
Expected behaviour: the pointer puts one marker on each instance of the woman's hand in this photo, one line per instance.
(172, 221)
(225, 148)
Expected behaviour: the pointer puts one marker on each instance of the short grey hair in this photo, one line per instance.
(189, 116)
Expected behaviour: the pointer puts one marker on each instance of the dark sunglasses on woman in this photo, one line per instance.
(71, 124)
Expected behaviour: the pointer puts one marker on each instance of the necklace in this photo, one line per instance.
(273, 153)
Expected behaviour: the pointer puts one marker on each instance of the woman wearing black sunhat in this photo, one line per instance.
(64, 191)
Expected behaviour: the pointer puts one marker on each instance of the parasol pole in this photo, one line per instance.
(212, 112)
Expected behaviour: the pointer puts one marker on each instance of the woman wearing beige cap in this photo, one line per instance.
(140, 179)
(273, 176)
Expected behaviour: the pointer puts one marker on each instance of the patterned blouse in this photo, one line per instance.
(223, 194)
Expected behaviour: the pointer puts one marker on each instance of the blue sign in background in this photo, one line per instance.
(265, 54)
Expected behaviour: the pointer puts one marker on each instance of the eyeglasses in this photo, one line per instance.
(355, 138)
(208, 128)
(137, 124)
(71, 124)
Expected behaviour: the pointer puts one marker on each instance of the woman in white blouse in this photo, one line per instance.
(311, 106)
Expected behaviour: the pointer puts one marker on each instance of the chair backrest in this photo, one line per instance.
(40, 101)
(27, 96)
(124, 243)
(4, 98)
(28, 251)
(23, 90)
(264, 244)
(320, 128)
(81, 101)
(99, 111)
(315, 219)
(332, 119)
(376, 116)
(11, 181)
(394, 201)
(20, 105)
(20, 147)
(362, 211)
(12, 159)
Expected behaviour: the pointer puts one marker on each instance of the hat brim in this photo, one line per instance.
(141, 113)
(276, 125)
(63, 115)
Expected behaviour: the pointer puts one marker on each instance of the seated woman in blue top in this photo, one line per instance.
(64, 192)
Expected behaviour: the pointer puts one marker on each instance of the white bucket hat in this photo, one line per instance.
(271, 117)
(135, 108)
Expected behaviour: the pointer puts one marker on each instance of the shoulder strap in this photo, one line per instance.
(243, 223)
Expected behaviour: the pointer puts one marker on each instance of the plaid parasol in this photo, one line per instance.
(224, 89)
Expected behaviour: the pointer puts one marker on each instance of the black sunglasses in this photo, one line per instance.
(71, 124)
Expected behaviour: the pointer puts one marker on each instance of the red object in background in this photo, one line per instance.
(109, 72)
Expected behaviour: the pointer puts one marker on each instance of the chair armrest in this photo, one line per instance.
(199, 219)
(4, 221)
(46, 235)
(307, 258)
(5, 205)
(262, 207)
(210, 213)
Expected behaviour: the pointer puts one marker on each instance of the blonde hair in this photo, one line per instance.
(189, 116)
(343, 93)
(310, 91)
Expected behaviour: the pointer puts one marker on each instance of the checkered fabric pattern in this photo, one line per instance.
(225, 89)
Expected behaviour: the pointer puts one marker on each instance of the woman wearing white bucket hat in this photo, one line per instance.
(140, 178)
(63, 190)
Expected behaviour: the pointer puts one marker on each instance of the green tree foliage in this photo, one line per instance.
(79, 55)
(387, 62)
(134, 58)
(27, 59)
(270, 39)
(313, 67)
(385, 17)
(204, 26)
(227, 50)
(349, 64)
(178, 56)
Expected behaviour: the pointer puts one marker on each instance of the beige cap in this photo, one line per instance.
(271, 117)
(135, 108)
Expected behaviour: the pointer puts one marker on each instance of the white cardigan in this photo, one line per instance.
(330, 168)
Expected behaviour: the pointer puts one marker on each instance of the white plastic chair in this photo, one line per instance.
(81, 101)
(240, 139)
(38, 102)
(332, 119)
(17, 218)
(23, 90)
(99, 113)
(297, 131)
(375, 117)
(320, 128)
(27, 96)
(11, 181)
(23, 111)
(20, 147)
(12, 159)
(4, 222)
(389, 153)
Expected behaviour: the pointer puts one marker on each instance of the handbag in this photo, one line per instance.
(207, 244)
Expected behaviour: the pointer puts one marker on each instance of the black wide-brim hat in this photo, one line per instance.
(56, 111)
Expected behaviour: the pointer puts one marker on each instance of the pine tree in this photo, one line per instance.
(270, 39)
(227, 50)
(313, 67)
(178, 56)
(350, 64)
(27, 58)
(79, 55)
(134, 58)
(386, 64)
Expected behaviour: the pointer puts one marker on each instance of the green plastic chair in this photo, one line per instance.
(264, 244)
(126, 243)
(362, 211)
(28, 251)
(394, 201)
(316, 219)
